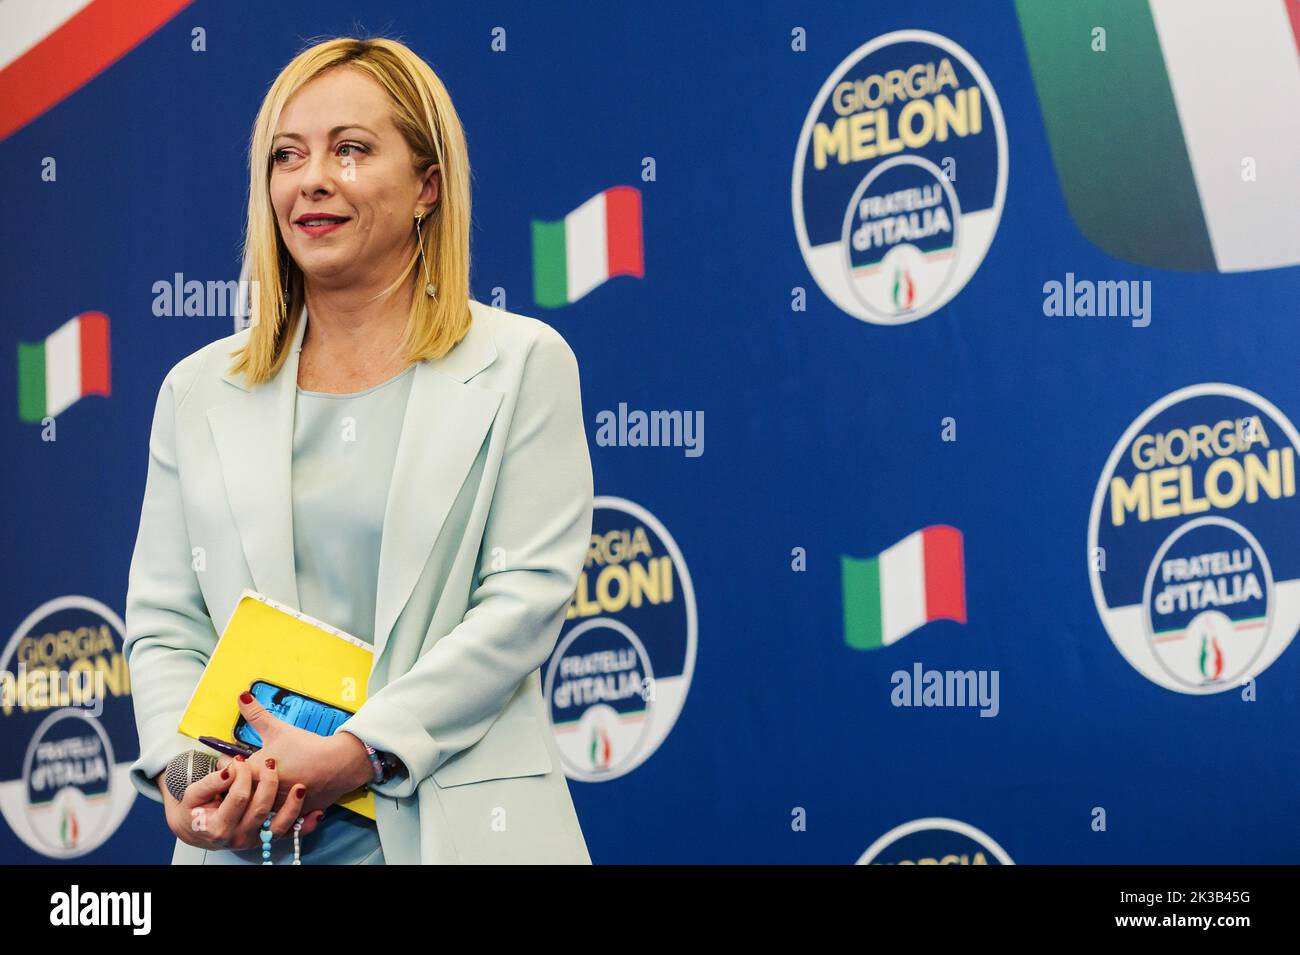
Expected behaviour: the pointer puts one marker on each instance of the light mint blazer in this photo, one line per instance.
(485, 532)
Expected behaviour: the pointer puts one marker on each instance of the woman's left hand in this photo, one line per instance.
(329, 766)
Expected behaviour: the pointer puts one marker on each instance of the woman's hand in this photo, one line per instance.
(329, 766)
(225, 809)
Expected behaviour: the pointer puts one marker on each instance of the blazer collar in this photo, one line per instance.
(443, 429)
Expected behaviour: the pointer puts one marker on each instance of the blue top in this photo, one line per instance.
(344, 447)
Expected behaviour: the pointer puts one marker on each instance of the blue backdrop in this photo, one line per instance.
(828, 435)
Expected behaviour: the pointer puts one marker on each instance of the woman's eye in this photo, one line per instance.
(284, 155)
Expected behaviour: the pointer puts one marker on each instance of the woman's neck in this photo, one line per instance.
(352, 340)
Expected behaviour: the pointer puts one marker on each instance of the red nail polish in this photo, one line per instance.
(246, 697)
(298, 791)
(239, 759)
(225, 774)
(270, 763)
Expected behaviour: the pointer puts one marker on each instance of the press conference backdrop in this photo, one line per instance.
(988, 552)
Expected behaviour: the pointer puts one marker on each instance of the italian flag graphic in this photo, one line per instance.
(919, 579)
(596, 241)
(70, 364)
(1176, 146)
(601, 751)
(51, 48)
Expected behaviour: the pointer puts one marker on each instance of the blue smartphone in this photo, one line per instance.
(294, 708)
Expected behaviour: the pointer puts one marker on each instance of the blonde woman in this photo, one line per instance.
(385, 454)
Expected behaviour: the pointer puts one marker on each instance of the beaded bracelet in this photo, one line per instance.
(266, 840)
(375, 762)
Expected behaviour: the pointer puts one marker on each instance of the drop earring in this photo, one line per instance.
(430, 289)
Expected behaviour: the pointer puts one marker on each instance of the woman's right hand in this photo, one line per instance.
(227, 813)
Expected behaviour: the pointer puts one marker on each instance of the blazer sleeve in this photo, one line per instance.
(535, 542)
(169, 634)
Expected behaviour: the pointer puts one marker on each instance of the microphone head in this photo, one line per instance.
(185, 768)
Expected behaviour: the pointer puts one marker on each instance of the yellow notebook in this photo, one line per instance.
(270, 641)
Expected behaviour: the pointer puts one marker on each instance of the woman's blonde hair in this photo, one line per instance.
(423, 112)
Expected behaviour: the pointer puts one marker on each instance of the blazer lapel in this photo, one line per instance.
(254, 440)
(445, 424)
(442, 431)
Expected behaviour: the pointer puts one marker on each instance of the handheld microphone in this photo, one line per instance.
(185, 768)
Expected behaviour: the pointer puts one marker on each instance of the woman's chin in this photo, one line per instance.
(328, 270)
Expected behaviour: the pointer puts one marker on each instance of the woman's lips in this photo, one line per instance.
(319, 225)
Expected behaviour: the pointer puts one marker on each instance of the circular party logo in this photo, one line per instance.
(69, 728)
(622, 665)
(899, 177)
(1194, 564)
(935, 841)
